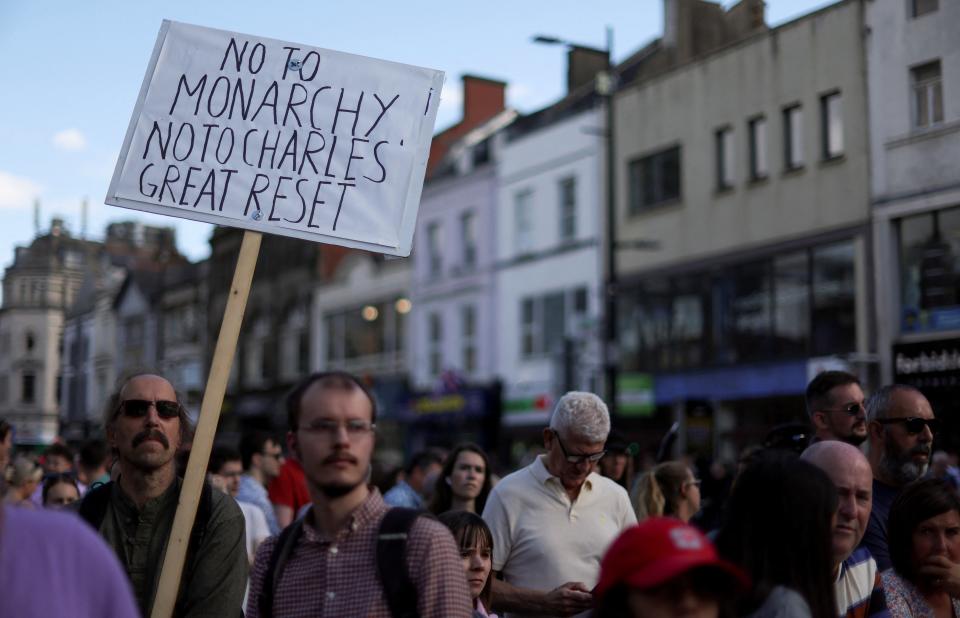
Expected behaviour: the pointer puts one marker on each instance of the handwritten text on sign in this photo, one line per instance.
(279, 138)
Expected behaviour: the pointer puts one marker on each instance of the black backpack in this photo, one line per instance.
(391, 563)
(93, 508)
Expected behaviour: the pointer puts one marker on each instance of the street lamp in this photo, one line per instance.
(605, 86)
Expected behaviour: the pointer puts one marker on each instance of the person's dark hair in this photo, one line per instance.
(880, 402)
(220, 455)
(52, 480)
(916, 503)
(5, 428)
(94, 454)
(112, 406)
(422, 461)
(442, 499)
(469, 530)
(327, 379)
(59, 450)
(658, 489)
(778, 529)
(252, 443)
(818, 391)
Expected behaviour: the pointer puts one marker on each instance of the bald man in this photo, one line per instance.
(857, 580)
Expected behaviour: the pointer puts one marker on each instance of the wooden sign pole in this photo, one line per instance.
(223, 354)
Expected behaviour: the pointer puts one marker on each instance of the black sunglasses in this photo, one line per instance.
(913, 424)
(138, 408)
(852, 409)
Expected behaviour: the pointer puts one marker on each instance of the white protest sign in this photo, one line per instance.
(279, 138)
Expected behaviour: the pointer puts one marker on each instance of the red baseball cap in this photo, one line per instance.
(657, 550)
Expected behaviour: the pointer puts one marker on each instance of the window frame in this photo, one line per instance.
(757, 145)
(826, 151)
(724, 151)
(793, 136)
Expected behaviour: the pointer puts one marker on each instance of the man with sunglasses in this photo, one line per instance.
(145, 427)
(835, 404)
(553, 520)
(902, 427)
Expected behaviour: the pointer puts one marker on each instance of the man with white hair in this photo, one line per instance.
(553, 520)
(901, 426)
(857, 586)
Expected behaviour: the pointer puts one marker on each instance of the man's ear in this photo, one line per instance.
(293, 446)
(875, 430)
(547, 438)
(819, 420)
(111, 435)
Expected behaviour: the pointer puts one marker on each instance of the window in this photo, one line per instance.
(834, 310)
(4, 388)
(468, 240)
(545, 321)
(791, 316)
(654, 180)
(831, 120)
(468, 336)
(724, 141)
(758, 148)
(435, 343)
(927, 94)
(528, 342)
(28, 388)
(523, 221)
(789, 305)
(792, 137)
(568, 209)
(29, 342)
(922, 7)
(434, 250)
(930, 271)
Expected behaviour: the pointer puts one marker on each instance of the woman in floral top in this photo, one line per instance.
(924, 539)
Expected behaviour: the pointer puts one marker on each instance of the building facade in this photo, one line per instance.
(748, 165)
(913, 62)
(38, 289)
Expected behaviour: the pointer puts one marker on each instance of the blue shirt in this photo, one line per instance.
(403, 495)
(875, 538)
(252, 492)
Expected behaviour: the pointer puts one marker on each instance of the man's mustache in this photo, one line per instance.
(150, 434)
(340, 457)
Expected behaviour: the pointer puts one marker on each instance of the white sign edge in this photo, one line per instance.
(407, 224)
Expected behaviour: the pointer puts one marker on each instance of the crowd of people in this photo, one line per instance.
(854, 515)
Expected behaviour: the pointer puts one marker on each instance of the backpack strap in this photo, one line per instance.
(278, 561)
(93, 507)
(392, 561)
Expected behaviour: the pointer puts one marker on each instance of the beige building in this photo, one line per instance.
(748, 164)
(38, 288)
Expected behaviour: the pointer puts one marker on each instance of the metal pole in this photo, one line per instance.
(610, 348)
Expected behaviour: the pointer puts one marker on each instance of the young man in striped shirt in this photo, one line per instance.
(857, 588)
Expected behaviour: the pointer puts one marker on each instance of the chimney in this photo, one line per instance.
(483, 98)
(583, 64)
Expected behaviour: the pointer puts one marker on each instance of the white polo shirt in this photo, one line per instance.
(541, 539)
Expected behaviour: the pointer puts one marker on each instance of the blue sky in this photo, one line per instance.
(70, 73)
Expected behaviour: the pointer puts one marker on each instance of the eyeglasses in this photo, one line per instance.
(138, 408)
(354, 428)
(851, 409)
(913, 424)
(577, 458)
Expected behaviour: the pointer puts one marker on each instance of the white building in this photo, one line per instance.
(548, 255)
(38, 289)
(913, 62)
